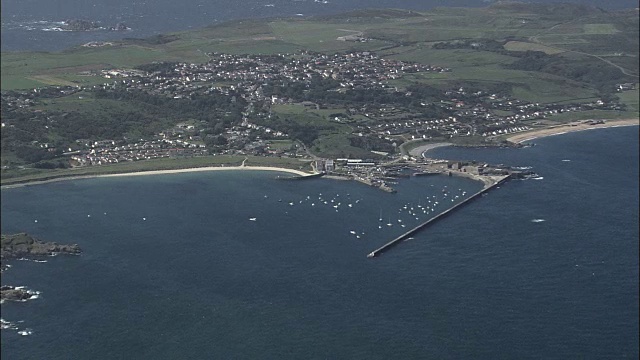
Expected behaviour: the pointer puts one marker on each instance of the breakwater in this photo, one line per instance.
(423, 225)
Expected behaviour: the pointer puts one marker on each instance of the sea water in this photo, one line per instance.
(173, 268)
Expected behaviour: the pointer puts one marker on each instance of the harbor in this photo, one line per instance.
(379, 251)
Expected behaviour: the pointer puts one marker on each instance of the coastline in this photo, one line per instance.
(416, 152)
(569, 127)
(420, 150)
(162, 172)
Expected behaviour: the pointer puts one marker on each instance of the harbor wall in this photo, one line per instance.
(379, 251)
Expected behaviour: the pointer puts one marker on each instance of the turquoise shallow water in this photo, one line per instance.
(198, 279)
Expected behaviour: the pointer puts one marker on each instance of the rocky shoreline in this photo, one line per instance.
(86, 25)
(17, 293)
(24, 246)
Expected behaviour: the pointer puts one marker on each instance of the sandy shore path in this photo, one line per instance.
(570, 127)
(164, 172)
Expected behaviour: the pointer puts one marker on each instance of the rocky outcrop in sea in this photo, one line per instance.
(23, 245)
(17, 293)
(86, 25)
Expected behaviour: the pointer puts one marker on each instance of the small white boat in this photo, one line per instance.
(252, 219)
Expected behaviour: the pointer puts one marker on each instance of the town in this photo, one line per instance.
(345, 86)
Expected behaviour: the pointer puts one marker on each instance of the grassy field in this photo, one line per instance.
(451, 58)
(42, 69)
(281, 144)
(337, 145)
(600, 29)
(592, 114)
(483, 67)
(81, 101)
(311, 117)
(528, 46)
(410, 34)
(631, 98)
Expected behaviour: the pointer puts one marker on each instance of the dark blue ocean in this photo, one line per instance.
(30, 24)
(173, 268)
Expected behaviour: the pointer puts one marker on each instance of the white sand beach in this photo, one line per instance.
(570, 127)
(164, 172)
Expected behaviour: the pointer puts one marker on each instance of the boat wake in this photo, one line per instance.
(8, 325)
(537, 220)
(32, 260)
